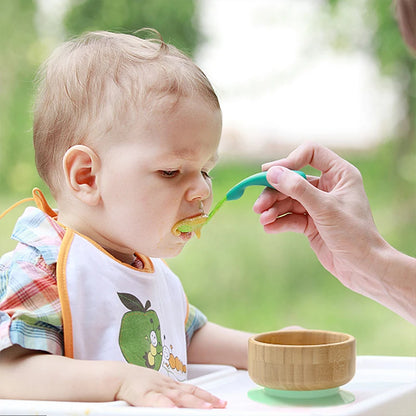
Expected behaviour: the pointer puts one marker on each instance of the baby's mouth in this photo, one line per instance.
(189, 225)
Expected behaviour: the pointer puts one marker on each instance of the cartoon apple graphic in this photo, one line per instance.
(139, 337)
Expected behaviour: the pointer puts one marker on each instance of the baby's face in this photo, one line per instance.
(156, 175)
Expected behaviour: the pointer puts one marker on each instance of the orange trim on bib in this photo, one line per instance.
(41, 203)
(187, 309)
(147, 262)
(63, 293)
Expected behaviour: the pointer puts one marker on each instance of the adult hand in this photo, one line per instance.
(333, 212)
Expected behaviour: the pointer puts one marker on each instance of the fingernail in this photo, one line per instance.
(223, 403)
(274, 174)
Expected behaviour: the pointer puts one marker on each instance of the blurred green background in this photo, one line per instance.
(239, 276)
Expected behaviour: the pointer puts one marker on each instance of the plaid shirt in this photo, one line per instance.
(30, 310)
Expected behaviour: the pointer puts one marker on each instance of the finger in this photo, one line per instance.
(153, 399)
(191, 396)
(205, 395)
(296, 223)
(270, 197)
(287, 206)
(267, 199)
(291, 184)
(315, 155)
(268, 165)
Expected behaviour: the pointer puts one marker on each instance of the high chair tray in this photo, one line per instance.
(382, 386)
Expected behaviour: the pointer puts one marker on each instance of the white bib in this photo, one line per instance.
(113, 311)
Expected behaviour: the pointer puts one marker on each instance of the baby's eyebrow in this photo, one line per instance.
(214, 159)
(188, 154)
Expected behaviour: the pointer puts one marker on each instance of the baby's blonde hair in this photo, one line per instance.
(90, 83)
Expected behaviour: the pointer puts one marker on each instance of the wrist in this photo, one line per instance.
(392, 280)
(381, 255)
(114, 376)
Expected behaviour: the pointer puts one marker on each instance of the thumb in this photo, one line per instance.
(295, 186)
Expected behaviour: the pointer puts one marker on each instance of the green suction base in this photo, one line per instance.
(312, 398)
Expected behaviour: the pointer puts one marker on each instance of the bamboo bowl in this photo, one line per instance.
(301, 360)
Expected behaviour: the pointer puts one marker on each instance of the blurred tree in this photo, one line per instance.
(23, 48)
(385, 44)
(175, 20)
(17, 44)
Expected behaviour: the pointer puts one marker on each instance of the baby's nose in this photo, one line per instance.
(200, 189)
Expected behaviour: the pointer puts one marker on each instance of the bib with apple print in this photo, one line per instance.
(140, 339)
(141, 342)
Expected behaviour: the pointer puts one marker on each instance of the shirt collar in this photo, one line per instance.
(37, 229)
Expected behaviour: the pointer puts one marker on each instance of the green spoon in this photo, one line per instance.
(236, 192)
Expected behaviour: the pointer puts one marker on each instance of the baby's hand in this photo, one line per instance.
(144, 387)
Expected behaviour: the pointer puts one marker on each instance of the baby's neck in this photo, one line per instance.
(76, 224)
(127, 258)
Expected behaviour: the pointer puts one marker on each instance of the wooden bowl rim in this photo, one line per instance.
(253, 339)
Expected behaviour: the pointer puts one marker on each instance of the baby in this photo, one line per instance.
(126, 132)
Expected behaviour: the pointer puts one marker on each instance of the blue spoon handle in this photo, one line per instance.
(237, 191)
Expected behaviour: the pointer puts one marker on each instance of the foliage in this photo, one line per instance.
(383, 41)
(175, 20)
(17, 43)
(22, 50)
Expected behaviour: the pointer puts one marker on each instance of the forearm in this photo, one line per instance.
(41, 376)
(214, 344)
(392, 281)
(32, 375)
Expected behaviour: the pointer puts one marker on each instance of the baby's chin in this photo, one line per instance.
(166, 252)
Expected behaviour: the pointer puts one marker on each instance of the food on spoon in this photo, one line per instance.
(188, 225)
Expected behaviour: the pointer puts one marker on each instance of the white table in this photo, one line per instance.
(382, 386)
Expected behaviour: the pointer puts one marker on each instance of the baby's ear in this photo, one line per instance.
(81, 165)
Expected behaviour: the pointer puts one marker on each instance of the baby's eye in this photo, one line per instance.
(206, 175)
(169, 173)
